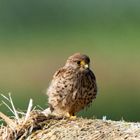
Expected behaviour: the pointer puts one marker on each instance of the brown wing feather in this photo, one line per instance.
(61, 89)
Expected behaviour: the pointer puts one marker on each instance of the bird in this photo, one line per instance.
(73, 87)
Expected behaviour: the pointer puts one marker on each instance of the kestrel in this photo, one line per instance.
(73, 86)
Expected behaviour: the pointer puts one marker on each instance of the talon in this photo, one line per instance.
(68, 115)
(73, 117)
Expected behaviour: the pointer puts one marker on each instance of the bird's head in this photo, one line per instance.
(78, 60)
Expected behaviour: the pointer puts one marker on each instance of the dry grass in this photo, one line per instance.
(35, 125)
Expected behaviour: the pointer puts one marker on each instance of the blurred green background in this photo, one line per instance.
(36, 37)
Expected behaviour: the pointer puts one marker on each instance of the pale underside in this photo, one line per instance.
(71, 90)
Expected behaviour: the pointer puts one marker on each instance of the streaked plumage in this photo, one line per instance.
(73, 86)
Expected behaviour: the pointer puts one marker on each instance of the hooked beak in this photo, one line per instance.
(86, 66)
(83, 64)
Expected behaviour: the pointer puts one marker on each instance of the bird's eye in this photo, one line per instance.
(78, 62)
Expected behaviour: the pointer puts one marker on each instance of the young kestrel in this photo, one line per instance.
(73, 86)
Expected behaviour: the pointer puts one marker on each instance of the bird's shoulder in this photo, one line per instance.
(93, 79)
(59, 72)
(62, 72)
(90, 72)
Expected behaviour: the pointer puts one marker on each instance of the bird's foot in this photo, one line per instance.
(71, 117)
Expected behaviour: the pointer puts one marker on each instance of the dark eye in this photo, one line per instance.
(78, 62)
